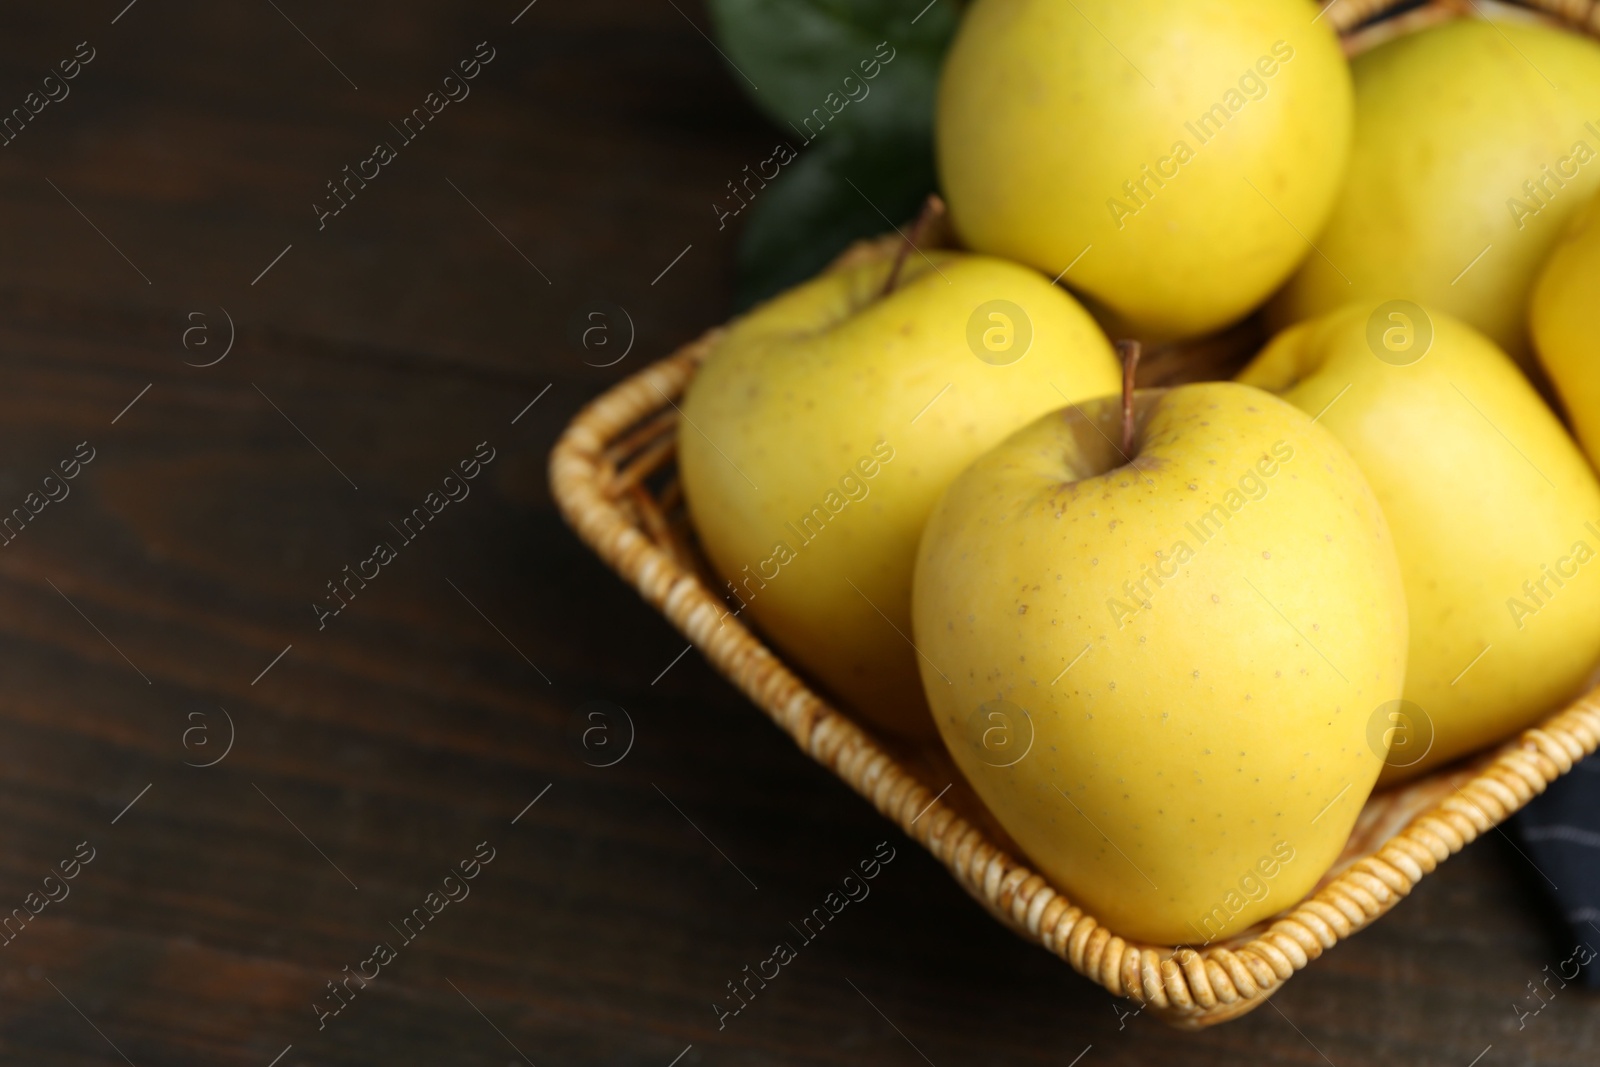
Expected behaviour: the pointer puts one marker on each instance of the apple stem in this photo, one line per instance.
(1129, 351)
(932, 208)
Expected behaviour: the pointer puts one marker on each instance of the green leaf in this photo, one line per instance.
(794, 53)
(844, 186)
(851, 86)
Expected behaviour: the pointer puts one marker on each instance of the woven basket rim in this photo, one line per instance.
(1362, 22)
(606, 502)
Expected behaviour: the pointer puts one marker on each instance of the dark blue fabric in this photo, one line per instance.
(1560, 832)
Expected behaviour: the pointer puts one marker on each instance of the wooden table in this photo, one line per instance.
(163, 606)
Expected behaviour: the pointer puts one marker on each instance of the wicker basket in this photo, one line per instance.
(612, 476)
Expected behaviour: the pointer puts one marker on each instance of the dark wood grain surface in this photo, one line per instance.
(150, 607)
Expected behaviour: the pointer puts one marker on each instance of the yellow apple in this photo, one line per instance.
(1158, 671)
(1475, 142)
(1495, 513)
(1175, 155)
(825, 424)
(1564, 315)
